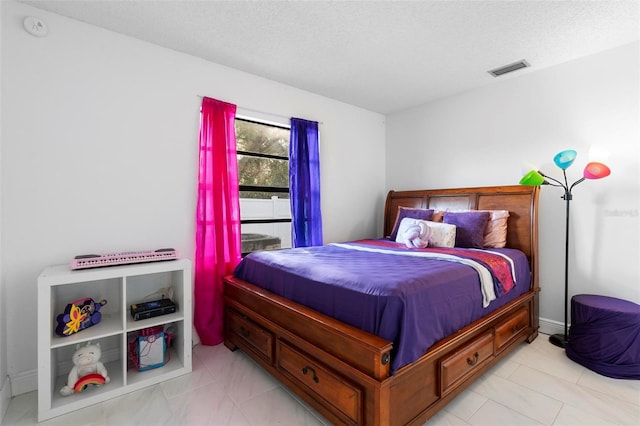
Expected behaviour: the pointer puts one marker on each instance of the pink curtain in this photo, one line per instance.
(218, 248)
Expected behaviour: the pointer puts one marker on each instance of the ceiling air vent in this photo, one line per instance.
(509, 68)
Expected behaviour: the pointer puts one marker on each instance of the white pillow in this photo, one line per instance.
(442, 234)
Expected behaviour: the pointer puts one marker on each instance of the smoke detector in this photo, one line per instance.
(35, 26)
(509, 68)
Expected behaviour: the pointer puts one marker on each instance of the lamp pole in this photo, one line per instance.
(567, 196)
(560, 340)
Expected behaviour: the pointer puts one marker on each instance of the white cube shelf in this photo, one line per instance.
(121, 286)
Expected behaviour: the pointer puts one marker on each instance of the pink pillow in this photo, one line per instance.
(495, 234)
(438, 216)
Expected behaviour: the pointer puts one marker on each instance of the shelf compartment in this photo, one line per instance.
(110, 346)
(109, 325)
(173, 368)
(91, 395)
(150, 287)
(107, 289)
(176, 359)
(61, 364)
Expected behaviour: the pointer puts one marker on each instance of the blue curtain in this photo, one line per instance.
(304, 184)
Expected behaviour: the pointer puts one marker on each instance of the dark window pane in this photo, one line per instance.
(262, 138)
(263, 171)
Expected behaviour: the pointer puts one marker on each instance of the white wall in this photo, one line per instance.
(5, 388)
(491, 136)
(99, 154)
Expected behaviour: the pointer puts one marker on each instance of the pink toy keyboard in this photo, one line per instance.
(86, 261)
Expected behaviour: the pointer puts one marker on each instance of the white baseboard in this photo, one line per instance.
(26, 381)
(5, 396)
(550, 327)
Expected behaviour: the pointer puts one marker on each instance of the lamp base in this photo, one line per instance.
(559, 340)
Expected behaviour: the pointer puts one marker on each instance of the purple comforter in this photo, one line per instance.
(411, 301)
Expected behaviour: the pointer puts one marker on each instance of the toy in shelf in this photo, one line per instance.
(148, 348)
(78, 315)
(87, 369)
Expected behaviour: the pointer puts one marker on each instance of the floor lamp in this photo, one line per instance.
(592, 170)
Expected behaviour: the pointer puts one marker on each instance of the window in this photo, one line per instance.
(263, 172)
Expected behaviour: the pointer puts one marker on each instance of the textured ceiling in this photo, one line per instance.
(384, 56)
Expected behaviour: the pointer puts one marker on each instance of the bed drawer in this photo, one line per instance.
(511, 328)
(321, 381)
(259, 339)
(458, 365)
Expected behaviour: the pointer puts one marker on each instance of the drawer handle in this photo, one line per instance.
(473, 361)
(515, 329)
(244, 331)
(306, 369)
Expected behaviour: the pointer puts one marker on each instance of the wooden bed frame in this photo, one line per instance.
(343, 372)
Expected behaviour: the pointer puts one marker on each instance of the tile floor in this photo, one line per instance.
(535, 385)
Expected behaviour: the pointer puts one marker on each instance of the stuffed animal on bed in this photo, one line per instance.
(417, 235)
(87, 369)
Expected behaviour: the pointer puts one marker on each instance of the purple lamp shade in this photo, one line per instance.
(596, 170)
(565, 158)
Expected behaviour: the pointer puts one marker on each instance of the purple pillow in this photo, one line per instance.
(469, 227)
(422, 214)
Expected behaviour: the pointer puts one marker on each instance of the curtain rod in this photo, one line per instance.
(261, 112)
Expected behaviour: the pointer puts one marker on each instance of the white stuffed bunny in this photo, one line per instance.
(86, 360)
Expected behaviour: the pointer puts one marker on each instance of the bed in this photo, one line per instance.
(349, 374)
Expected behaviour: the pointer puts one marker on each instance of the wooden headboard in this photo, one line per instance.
(521, 202)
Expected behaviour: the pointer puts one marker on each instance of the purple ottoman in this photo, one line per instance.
(605, 335)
